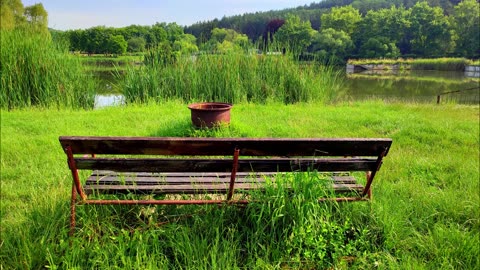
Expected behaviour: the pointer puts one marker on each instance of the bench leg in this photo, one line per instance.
(72, 209)
(369, 191)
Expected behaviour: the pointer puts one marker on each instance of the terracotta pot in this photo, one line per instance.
(210, 114)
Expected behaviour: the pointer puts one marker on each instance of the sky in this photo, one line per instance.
(82, 14)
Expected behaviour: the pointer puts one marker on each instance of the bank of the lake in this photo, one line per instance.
(424, 213)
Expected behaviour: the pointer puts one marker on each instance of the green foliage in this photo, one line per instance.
(136, 44)
(36, 72)
(116, 45)
(160, 55)
(365, 6)
(440, 64)
(226, 40)
(185, 45)
(385, 25)
(333, 45)
(466, 23)
(230, 77)
(375, 48)
(37, 17)
(343, 19)
(429, 30)
(11, 14)
(295, 35)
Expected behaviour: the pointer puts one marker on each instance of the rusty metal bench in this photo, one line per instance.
(180, 166)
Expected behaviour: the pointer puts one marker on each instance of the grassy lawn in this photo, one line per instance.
(424, 215)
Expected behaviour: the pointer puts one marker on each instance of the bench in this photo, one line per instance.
(176, 167)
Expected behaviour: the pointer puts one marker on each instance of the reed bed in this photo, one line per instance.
(38, 72)
(232, 77)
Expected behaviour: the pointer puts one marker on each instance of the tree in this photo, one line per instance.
(466, 23)
(270, 30)
(379, 48)
(343, 19)
(186, 45)
(295, 34)
(174, 31)
(157, 35)
(333, 45)
(116, 44)
(429, 30)
(386, 26)
(369, 5)
(37, 17)
(136, 44)
(223, 40)
(11, 14)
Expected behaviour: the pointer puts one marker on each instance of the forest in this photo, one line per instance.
(336, 30)
(333, 30)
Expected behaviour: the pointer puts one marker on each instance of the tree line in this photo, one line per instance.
(340, 29)
(332, 29)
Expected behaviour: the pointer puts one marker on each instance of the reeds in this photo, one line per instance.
(231, 77)
(38, 72)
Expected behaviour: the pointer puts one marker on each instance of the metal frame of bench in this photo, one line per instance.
(205, 157)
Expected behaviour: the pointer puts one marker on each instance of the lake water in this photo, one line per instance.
(411, 86)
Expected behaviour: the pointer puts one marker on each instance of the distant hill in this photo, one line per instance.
(254, 24)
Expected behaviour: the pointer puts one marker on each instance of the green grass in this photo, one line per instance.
(37, 72)
(424, 215)
(232, 77)
(444, 64)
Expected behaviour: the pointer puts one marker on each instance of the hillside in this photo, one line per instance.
(254, 24)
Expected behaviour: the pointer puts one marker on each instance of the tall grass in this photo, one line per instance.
(38, 72)
(231, 77)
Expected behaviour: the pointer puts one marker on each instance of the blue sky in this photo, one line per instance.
(81, 14)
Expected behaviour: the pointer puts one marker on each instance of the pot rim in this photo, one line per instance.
(216, 106)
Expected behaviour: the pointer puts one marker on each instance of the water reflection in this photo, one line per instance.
(412, 86)
(106, 100)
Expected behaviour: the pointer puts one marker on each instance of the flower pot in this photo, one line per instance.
(210, 114)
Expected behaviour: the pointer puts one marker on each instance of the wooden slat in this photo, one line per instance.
(344, 179)
(142, 180)
(223, 165)
(114, 178)
(226, 146)
(195, 188)
(169, 189)
(101, 173)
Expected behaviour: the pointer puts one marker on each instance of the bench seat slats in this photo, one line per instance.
(224, 165)
(105, 178)
(226, 146)
(143, 183)
(195, 188)
(142, 180)
(100, 173)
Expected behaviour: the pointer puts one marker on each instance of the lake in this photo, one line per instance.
(410, 86)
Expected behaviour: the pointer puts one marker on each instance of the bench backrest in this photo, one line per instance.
(210, 154)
